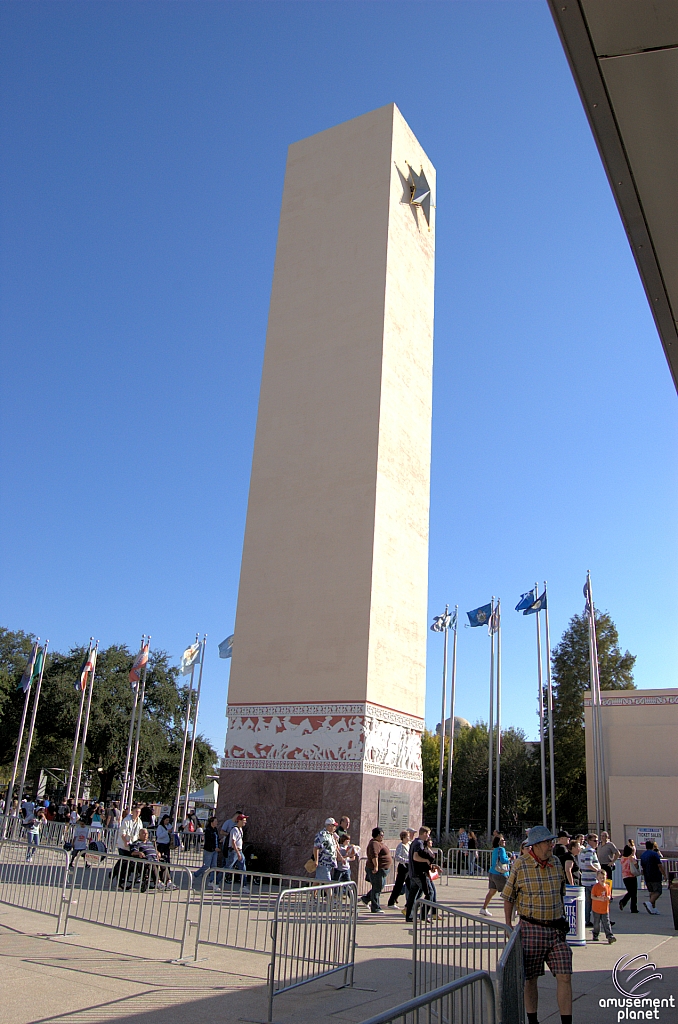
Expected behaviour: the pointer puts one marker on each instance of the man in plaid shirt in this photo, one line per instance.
(535, 889)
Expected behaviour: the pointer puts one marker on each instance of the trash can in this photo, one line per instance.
(574, 912)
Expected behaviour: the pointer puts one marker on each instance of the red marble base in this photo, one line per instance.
(285, 809)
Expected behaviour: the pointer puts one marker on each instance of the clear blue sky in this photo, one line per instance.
(143, 156)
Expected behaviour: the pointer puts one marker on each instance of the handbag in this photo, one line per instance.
(434, 874)
(635, 868)
(310, 866)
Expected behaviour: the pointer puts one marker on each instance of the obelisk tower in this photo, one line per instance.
(326, 696)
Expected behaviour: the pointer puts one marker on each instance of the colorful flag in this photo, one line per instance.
(525, 600)
(443, 622)
(135, 671)
(87, 666)
(189, 658)
(587, 595)
(37, 668)
(27, 677)
(537, 606)
(226, 647)
(480, 616)
(494, 622)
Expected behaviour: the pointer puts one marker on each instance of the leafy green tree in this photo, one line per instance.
(111, 710)
(570, 671)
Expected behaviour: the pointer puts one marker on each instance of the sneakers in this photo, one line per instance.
(648, 907)
(379, 911)
(170, 886)
(159, 886)
(594, 938)
(485, 912)
(611, 939)
(245, 889)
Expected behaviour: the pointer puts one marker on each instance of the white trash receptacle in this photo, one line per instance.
(574, 912)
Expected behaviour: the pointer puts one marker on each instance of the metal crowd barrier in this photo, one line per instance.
(448, 944)
(511, 980)
(462, 862)
(468, 1000)
(364, 885)
(34, 878)
(313, 936)
(131, 894)
(237, 908)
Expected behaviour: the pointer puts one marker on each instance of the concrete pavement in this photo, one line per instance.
(97, 975)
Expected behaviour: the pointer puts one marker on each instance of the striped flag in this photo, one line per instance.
(29, 671)
(135, 671)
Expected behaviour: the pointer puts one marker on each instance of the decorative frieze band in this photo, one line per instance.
(350, 737)
(626, 701)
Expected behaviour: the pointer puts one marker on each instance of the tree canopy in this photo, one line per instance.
(112, 701)
(570, 671)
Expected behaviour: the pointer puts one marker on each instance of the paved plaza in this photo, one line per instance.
(96, 974)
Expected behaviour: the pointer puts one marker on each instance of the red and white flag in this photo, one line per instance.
(135, 671)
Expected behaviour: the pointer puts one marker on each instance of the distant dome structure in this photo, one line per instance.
(459, 724)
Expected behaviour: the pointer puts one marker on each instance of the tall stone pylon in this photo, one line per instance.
(327, 686)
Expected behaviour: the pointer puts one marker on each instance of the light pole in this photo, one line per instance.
(442, 624)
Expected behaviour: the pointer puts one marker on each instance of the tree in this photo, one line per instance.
(570, 671)
(112, 702)
(468, 803)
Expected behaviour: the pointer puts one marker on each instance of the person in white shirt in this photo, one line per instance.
(235, 857)
(128, 834)
(402, 861)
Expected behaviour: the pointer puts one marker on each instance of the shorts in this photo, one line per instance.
(654, 887)
(497, 881)
(544, 944)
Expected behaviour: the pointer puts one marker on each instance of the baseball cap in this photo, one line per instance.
(539, 834)
(240, 817)
(563, 834)
(330, 821)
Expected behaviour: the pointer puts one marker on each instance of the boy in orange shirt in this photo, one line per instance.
(601, 895)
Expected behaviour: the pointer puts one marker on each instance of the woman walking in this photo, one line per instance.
(472, 852)
(163, 838)
(499, 869)
(630, 872)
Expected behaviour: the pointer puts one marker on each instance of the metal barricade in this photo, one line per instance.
(190, 850)
(468, 1000)
(511, 981)
(448, 944)
(313, 936)
(131, 894)
(237, 908)
(34, 878)
(462, 862)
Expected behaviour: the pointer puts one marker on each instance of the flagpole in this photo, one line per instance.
(450, 749)
(594, 709)
(441, 765)
(141, 715)
(90, 688)
(19, 742)
(549, 706)
(490, 723)
(74, 754)
(125, 783)
(498, 671)
(601, 745)
(542, 752)
(195, 723)
(183, 746)
(29, 741)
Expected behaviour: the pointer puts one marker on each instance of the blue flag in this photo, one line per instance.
(537, 606)
(480, 616)
(226, 647)
(525, 600)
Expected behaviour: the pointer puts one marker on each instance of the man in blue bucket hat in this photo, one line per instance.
(535, 890)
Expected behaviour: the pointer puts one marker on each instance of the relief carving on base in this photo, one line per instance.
(353, 738)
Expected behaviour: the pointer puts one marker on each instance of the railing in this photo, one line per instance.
(313, 936)
(448, 944)
(467, 862)
(468, 1000)
(237, 908)
(34, 878)
(511, 981)
(131, 894)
